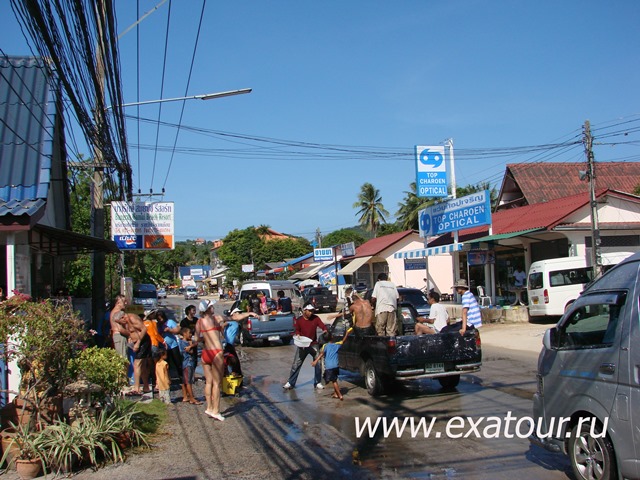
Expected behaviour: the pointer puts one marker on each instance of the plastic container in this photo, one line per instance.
(231, 384)
(302, 342)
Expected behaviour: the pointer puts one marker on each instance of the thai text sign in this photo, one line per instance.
(431, 172)
(142, 225)
(322, 254)
(415, 263)
(457, 214)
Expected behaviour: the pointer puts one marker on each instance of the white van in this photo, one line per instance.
(554, 284)
(270, 288)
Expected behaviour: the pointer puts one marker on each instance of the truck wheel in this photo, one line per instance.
(449, 382)
(591, 458)
(245, 338)
(372, 380)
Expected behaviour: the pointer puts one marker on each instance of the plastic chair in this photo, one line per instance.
(483, 300)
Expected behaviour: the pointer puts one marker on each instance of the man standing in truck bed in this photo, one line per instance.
(385, 300)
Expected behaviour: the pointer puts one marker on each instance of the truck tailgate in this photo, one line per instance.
(276, 324)
(416, 350)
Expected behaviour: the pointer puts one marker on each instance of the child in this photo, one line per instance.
(188, 367)
(330, 353)
(162, 375)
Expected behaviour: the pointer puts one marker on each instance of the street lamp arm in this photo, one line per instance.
(206, 96)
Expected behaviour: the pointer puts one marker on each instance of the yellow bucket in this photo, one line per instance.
(230, 384)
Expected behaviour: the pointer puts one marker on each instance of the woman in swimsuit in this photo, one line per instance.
(210, 328)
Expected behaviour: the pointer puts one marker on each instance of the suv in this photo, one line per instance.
(191, 293)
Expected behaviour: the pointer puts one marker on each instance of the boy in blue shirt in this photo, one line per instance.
(329, 352)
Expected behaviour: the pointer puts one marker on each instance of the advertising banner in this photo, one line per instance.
(415, 263)
(143, 225)
(323, 254)
(481, 257)
(431, 172)
(457, 214)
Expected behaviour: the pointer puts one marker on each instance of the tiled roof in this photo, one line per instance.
(377, 245)
(27, 107)
(545, 215)
(542, 182)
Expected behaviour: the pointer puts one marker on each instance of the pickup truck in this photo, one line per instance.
(382, 360)
(267, 328)
(321, 298)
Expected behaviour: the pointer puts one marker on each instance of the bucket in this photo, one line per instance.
(230, 384)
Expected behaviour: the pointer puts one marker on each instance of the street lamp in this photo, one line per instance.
(206, 96)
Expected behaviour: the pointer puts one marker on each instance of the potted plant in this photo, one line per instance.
(103, 367)
(26, 448)
(42, 337)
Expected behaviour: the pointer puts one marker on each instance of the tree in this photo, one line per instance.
(409, 208)
(469, 189)
(370, 208)
(637, 190)
(344, 235)
(389, 228)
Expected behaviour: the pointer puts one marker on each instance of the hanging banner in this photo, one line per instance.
(143, 225)
(431, 172)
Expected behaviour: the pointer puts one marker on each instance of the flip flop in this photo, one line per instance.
(133, 393)
(195, 402)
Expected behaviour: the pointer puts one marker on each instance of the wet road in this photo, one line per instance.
(483, 401)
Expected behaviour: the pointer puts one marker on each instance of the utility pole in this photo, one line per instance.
(596, 259)
(318, 238)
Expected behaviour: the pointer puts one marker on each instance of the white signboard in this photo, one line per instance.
(431, 172)
(457, 214)
(142, 225)
(248, 268)
(322, 254)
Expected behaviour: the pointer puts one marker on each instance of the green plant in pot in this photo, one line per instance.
(26, 451)
(41, 337)
(103, 367)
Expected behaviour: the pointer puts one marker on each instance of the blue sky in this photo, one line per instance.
(375, 78)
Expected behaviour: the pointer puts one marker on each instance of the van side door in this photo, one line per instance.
(586, 364)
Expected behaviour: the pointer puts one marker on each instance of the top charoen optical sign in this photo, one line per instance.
(431, 172)
(143, 225)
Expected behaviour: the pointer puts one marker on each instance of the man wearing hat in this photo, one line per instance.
(470, 309)
(307, 326)
(230, 332)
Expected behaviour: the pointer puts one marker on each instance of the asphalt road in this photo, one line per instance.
(306, 434)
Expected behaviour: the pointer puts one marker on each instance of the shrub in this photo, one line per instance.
(102, 366)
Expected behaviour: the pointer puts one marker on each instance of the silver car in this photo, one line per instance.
(588, 400)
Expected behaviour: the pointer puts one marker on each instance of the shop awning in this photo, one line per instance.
(308, 272)
(427, 252)
(353, 265)
(64, 242)
(502, 236)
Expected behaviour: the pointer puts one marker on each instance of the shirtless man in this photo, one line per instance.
(119, 331)
(140, 343)
(363, 317)
(210, 328)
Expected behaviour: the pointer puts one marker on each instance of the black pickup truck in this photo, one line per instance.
(321, 298)
(382, 360)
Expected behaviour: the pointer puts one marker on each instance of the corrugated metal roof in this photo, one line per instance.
(377, 245)
(543, 182)
(27, 107)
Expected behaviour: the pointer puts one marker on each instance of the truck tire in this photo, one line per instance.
(449, 382)
(245, 338)
(591, 458)
(372, 380)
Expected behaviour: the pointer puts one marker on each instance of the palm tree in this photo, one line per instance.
(372, 212)
(410, 207)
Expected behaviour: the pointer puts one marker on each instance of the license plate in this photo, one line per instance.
(434, 368)
(273, 338)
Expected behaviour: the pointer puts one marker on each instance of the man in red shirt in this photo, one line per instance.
(307, 326)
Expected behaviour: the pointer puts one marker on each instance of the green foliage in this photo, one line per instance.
(389, 228)
(28, 442)
(49, 335)
(636, 191)
(102, 366)
(241, 246)
(370, 208)
(410, 207)
(344, 235)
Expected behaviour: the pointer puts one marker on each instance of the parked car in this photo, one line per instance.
(162, 293)
(588, 379)
(190, 293)
(414, 296)
(321, 298)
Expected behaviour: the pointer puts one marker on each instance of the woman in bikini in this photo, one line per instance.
(210, 327)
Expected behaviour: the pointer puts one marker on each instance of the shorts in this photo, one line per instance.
(331, 374)
(144, 351)
(188, 375)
